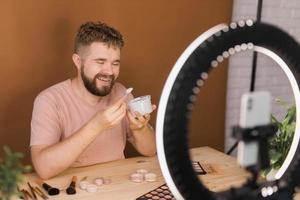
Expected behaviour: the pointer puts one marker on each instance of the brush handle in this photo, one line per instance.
(32, 190)
(73, 183)
(71, 189)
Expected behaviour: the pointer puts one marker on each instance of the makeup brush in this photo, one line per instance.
(128, 91)
(21, 194)
(40, 193)
(50, 190)
(32, 190)
(71, 189)
(26, 194)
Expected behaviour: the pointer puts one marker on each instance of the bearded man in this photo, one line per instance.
(84, 120)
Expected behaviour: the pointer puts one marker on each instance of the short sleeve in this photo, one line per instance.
(45, 123)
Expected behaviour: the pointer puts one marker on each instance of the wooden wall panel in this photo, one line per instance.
(37, 42)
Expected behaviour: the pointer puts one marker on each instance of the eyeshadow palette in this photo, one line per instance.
(198, 168)
(163, 192)
(160, 193)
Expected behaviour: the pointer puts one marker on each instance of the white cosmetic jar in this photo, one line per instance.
(140, 104)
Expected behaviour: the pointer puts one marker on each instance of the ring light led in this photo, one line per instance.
(188, 76)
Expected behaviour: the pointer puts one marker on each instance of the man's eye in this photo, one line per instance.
(116, 64)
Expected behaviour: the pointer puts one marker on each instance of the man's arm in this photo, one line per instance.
(143, 133)
(50, 160)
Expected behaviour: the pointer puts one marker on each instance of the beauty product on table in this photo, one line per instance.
(143, 175)
(71, 189)
(198, 168)
(99, 181)
(40, 193)
(26, 194)
(83, 183)
(50, 190)
(150, 177)
(162, 192)
(21, 196)
(32, 190)
(137, 177)
(91, 188)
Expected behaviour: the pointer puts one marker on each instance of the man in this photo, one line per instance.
(84, 120)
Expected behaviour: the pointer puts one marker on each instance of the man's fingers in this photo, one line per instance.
(118, 118)
(147, 117)
(118, 104)
(134, 119)
(131, 117)
(142, 118)
(120, 111)
(153, 107)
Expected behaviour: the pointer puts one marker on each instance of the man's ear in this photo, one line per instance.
(77, 60)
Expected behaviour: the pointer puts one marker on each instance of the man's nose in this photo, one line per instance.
(107, 69)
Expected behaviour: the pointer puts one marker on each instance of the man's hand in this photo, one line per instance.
(142, 132)
(110, 117)
(140, 121)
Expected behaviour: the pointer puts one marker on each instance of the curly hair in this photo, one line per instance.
(90, 32)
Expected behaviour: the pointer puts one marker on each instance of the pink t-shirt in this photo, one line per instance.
(58, 112)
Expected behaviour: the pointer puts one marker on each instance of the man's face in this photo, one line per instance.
(100, 68)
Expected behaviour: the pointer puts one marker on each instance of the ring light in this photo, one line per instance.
(188, 76)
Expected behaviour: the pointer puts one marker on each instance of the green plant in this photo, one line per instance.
(11, 173)
(279, 145)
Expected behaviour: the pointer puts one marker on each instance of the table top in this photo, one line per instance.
(223, 173)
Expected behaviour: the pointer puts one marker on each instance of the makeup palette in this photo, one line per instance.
(199, 170)
(160, 193)
(163, 192)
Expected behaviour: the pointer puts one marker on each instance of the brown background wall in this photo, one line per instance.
(36, 40)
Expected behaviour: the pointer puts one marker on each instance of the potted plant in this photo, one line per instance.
(11, 173)
(279, 145)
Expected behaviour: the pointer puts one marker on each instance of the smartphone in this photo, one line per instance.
(255, 111)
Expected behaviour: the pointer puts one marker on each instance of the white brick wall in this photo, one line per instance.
(269, 76)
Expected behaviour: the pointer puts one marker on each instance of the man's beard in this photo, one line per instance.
(91, 85)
